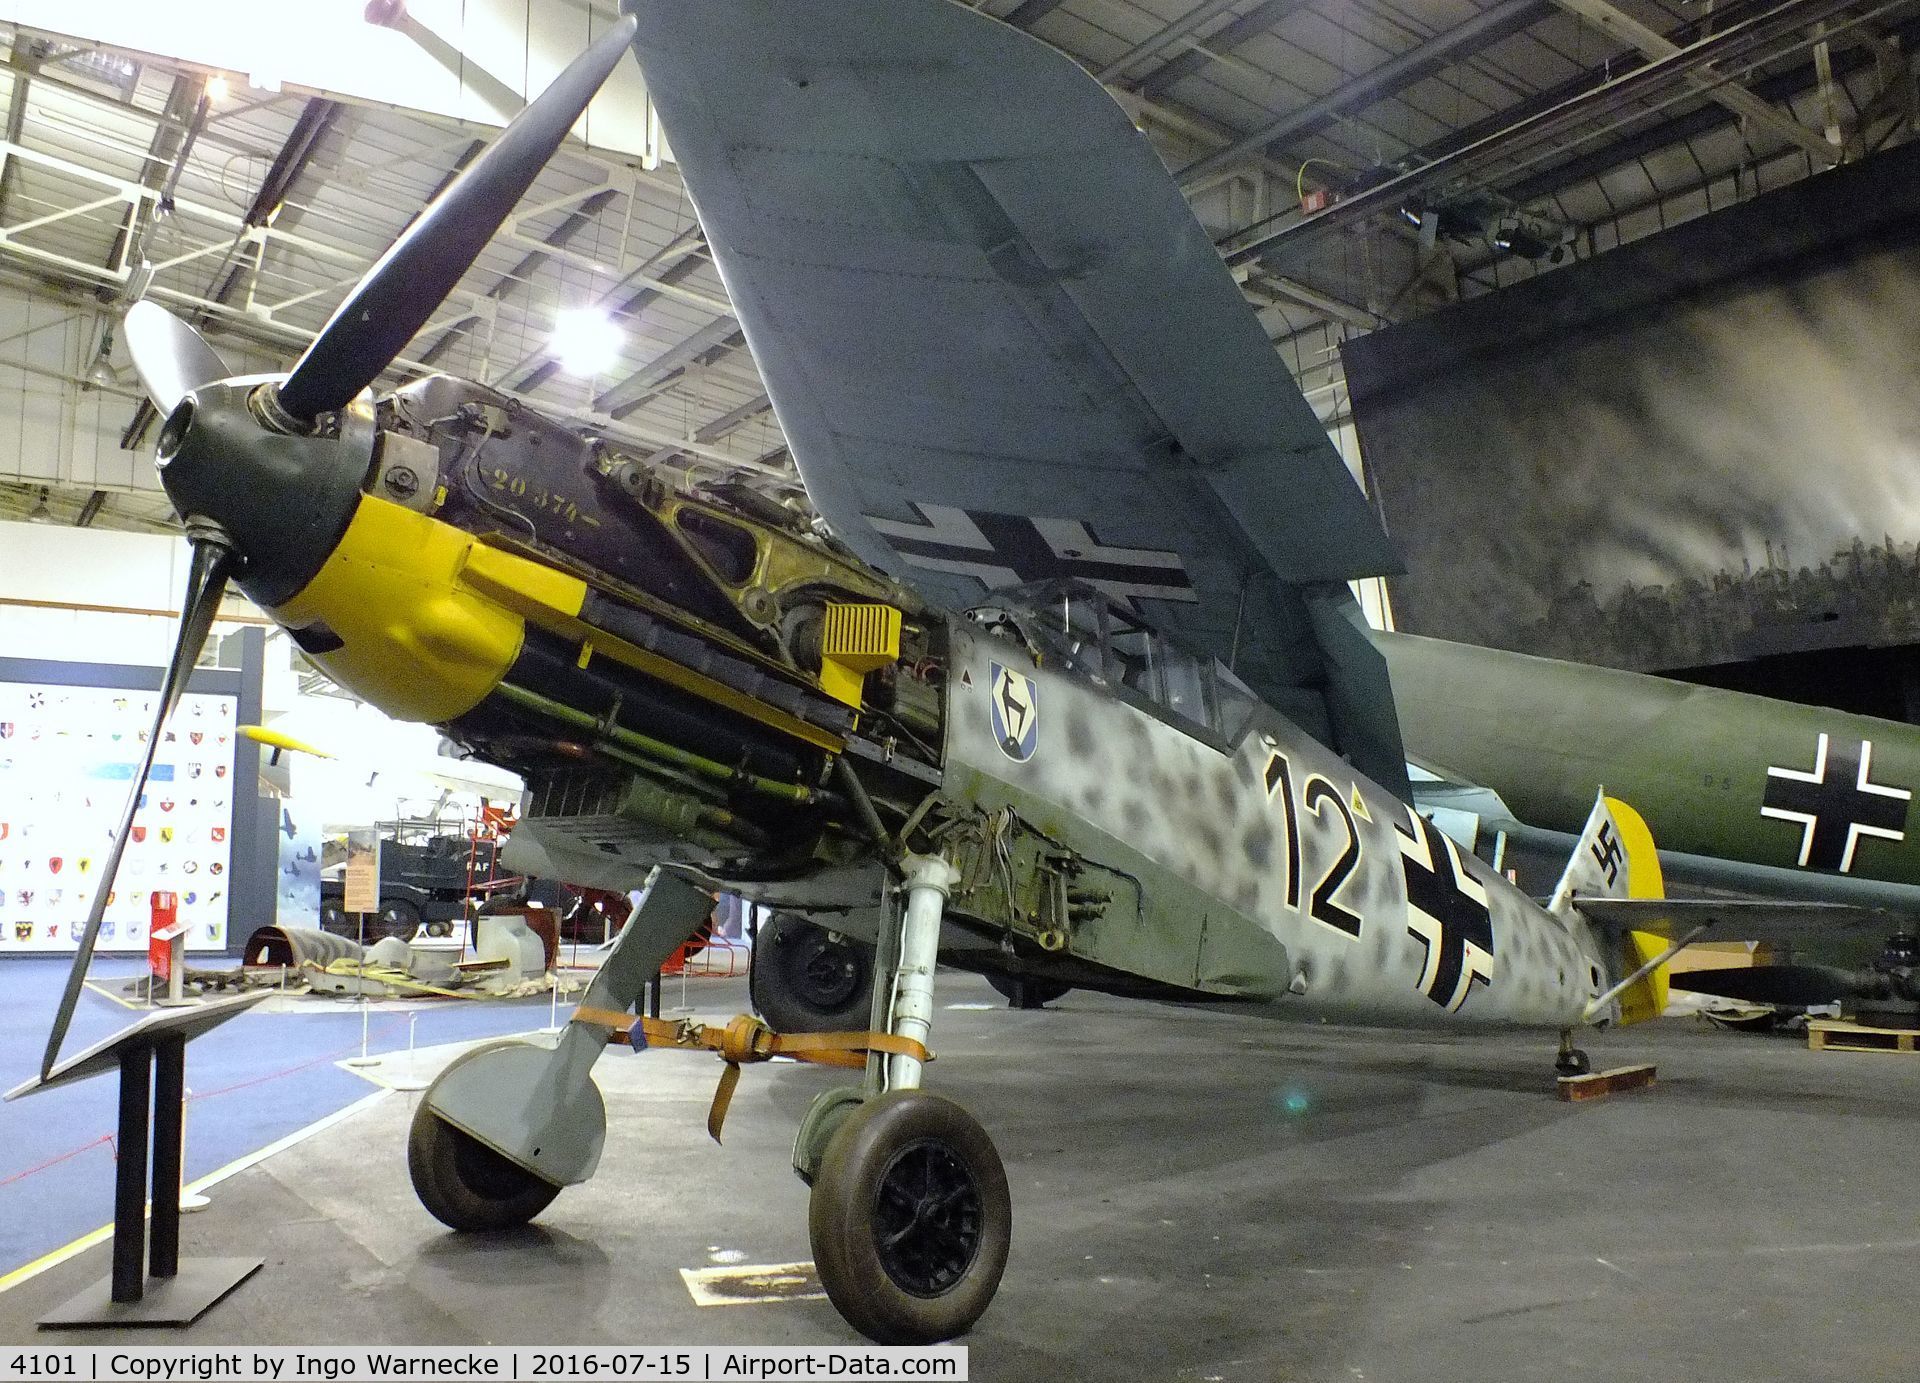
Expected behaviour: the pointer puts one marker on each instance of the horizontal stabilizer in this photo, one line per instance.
(1738, 919)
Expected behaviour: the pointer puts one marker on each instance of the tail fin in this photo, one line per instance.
(1616, 859)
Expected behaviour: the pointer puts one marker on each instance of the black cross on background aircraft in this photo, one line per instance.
(1836, 803)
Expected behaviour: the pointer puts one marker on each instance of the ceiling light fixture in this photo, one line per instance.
(586, 341)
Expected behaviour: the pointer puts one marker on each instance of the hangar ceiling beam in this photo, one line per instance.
(522, 273)
(1701, 120)
(1154, 43)
(719, 427)
(263, 328)
(25, 65)
(645, 382)
(269, 206)
(1763, 38)
(1030, 12)
(295, 153)
(1616, 23)
(1278, 288)
(1421, 59)
(682, 258)
(1243, 30)
(728, 421)
(166, 151)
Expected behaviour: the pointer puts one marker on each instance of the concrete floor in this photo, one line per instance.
(1196, 1197)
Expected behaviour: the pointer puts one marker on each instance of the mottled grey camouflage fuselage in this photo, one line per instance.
(1196, 845)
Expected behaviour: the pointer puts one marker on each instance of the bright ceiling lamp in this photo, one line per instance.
(586, 341)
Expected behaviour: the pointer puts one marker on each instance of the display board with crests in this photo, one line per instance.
(1696, 449)
(67, 755)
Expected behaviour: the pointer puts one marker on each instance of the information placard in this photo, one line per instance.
(362, 884)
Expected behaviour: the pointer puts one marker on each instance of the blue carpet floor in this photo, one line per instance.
(253, 1081)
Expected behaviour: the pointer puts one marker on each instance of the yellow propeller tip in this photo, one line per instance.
(274, 739)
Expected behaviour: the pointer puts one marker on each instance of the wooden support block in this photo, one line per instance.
(1600, 1084)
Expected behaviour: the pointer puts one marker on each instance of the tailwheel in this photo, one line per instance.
(1572, 1062)
(910, 1219)
(465, 1184)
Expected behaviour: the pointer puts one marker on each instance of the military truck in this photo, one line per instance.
(425, 879)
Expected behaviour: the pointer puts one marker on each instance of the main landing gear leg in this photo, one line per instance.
(1571, 1061)
(910, 1217)
(508, 1124)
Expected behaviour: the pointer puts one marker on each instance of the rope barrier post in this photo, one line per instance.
(553, 1000)
(360, 985)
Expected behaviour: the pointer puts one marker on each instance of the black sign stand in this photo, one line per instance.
(149, 1287)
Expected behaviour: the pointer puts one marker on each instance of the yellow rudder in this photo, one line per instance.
(1647, 997)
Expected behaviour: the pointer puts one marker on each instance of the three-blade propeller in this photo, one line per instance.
(385, 310)
(170, 357)
(1790, 986)
(206, 584)
(398, 295)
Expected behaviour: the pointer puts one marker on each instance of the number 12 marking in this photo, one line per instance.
(1319, 793)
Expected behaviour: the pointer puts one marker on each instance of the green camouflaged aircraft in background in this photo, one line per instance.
(1741, 791)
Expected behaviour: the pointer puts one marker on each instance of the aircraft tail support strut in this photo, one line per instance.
(539, 1109)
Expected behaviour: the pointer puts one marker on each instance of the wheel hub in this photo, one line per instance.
(824, 973)
(927, 1218)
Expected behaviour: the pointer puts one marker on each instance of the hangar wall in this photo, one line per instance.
(1694, 450)
(57, 426)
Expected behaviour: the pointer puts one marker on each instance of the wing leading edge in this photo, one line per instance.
(1001, 347)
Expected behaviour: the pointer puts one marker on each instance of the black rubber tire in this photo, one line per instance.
(333, 918)
(1573, 1063)
(802, 979)
(931, 1278)
(1022, 991)
(466, 1185)
(398, 917)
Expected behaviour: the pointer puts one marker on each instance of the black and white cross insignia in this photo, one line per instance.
(1607, 853)
(1447, 911)
(1015, 549)
(1836, 804)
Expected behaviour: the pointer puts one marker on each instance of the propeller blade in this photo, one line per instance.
(171, 358)
(1795, 986)
(206, 583)
(401, 292)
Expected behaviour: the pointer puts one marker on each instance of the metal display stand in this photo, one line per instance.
(151, 1056)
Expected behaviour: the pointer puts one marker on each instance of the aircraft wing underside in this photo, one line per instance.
(1001, 347)
(613, 853)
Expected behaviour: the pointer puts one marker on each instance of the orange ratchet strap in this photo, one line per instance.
(745, 1039)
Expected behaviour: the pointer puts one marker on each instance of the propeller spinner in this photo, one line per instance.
(264, 492)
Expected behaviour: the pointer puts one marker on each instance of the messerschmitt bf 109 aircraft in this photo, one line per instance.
(1068, 682)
